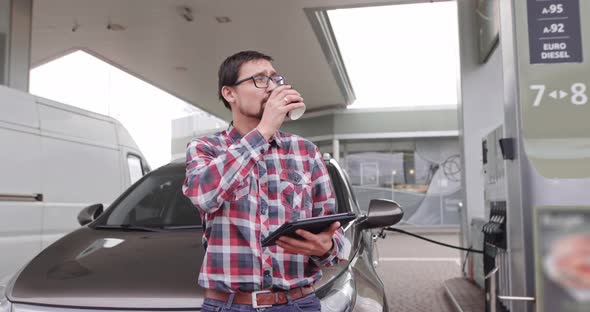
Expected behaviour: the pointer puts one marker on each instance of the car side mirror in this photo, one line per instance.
(383, 213)
(90, 213)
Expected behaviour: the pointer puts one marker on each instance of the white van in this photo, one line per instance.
(55, 159)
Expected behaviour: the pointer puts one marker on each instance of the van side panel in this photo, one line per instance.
(69, 155)
(81, 166)
(70, 123)
(20, 168)
(20, 221)
(20, 230)
(76, 175)
(19, 160)
(18, 108)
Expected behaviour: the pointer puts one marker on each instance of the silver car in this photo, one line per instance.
(144, 253)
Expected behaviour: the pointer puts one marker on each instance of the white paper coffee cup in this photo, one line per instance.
(296, 113)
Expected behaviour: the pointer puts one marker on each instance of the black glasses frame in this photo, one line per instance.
(277, 79)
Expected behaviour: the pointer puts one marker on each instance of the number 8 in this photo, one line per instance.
(579, 96)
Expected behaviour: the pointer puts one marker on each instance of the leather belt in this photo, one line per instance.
(261, 298)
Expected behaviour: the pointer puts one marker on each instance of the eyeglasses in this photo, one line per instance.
(262, 81)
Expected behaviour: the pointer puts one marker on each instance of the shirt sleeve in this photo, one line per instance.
(212, 176)
(324, 203)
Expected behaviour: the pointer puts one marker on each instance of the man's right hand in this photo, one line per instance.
(318, 245)
(282, 100)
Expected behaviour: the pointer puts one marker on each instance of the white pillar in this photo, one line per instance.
(336, 149)
(15, 43)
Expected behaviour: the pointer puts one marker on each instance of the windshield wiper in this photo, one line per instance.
(128, 227)
(181, 227)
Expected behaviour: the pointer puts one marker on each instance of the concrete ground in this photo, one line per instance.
(414, 270)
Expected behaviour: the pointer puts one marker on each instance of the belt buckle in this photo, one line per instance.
(255, 300)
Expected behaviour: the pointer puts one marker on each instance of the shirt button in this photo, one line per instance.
(263, 207)
(266, 280)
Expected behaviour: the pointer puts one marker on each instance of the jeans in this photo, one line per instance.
(309, 303)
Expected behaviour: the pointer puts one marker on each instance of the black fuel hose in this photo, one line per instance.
(432, 241)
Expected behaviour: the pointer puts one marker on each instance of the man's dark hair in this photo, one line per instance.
(230, 69)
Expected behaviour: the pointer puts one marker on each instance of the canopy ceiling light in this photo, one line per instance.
(186, 13)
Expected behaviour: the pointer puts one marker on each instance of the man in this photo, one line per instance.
(246, 182)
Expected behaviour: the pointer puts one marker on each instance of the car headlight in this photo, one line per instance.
(5, 305)
(341, 296)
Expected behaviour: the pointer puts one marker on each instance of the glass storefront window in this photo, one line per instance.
(424, 177)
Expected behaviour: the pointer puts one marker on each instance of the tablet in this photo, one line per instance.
(314, 225)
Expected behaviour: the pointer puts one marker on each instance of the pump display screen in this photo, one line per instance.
(563, 258)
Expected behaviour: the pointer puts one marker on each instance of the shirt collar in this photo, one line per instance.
(234, 135)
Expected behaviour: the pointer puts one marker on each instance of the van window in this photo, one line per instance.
(135, 167)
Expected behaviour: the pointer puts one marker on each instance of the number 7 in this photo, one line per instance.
(540, 91)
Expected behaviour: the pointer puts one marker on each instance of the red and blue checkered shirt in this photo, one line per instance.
(245, 188)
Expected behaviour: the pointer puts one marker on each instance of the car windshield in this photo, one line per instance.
(155, 202)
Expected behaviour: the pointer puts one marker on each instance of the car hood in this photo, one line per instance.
(106, 268)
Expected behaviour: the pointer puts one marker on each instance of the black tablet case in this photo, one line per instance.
(314, 225)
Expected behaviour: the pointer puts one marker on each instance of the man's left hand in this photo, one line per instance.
(312, 244)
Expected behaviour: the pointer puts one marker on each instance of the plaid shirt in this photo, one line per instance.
(245, 188)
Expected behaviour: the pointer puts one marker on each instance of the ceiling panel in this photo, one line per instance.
(157, 41)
